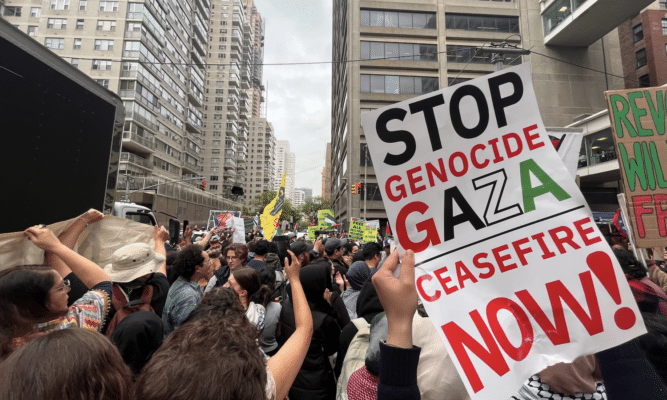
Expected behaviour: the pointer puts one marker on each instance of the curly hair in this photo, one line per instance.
(188, 259)
(240, 250)
(224, 350)
(220, 302)
(24, 293)
(66, 364)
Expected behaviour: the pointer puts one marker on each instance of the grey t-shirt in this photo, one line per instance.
(268, 336)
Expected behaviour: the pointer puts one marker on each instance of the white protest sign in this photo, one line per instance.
(374, 223)
(511, 268)
(568, 144)
(239, 231)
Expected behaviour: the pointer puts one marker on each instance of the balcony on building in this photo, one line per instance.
(153, 106)
(193, 123)
(229, 164)
(580, 23)
(237, 20)
(234, 79)
(188, 168)
(143, 121)
(138, 144)
(135, 160)
(232, 129)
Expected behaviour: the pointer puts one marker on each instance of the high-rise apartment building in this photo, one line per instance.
(298, 198)
(308, 193)
(235, 27)
(285, 162)
(644, 47)
(261, 159)
(154, 54)
(411, 48)
(326, 174)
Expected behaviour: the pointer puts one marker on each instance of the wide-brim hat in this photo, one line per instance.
(133, 261)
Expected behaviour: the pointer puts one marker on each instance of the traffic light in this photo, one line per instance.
(203, 185)
(354, 188)
(359, 187)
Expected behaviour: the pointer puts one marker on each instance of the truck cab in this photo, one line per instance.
(134, 212)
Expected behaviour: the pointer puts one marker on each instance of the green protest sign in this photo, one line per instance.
(357, 230)
(370, 235)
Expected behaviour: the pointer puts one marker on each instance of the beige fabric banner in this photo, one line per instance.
(97, 242)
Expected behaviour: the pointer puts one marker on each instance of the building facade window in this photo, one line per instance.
(11, 11)
(103, 82)
(109, 6)
(641, 58)
(465, 54)
(398, 51)
(644, 81)
(663, 4)
(638, 32)
(35, 12)
(106, 25)
(77, 44)
(394, 84)
(82, 5)
(102, 65)
(101, 44)
(79, 24)
(394, 19)
(486, 23)
(32, 30)
(664, 26)
(54, 43)
(56, 23)
(60, 4)
(75, 62)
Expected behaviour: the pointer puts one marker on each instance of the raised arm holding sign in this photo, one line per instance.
(511, 267)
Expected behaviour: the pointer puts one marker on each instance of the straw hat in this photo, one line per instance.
(133, 261)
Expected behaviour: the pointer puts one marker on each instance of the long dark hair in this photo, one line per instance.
(248, 279)
(629, 263)
(24, 293)
(268, 278)
(66, 364)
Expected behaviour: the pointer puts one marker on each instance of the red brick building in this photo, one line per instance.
(644, 47)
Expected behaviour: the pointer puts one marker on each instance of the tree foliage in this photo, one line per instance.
(289, 213)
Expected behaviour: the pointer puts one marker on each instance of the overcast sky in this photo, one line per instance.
(299, 96)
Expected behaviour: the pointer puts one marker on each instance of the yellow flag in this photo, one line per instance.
(271, 215)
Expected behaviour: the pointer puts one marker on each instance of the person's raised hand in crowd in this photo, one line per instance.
(285, 365)
(341, 281)
(161, 234)
(293, 268)
(187, 235)
(398, 297)
(319, 246)
(91, 216)
(87, 271)
(43, 238)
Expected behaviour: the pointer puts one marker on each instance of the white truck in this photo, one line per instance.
(134, 212)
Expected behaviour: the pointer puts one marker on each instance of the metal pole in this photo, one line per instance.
(365, 176)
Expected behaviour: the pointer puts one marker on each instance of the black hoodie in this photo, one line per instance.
(368, 306)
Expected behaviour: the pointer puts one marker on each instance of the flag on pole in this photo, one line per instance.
(255, 221)
(388, 231)
(271, 215)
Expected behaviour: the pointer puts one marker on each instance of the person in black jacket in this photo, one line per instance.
(315, 380)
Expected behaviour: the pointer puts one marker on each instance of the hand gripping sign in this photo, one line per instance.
(511, 268)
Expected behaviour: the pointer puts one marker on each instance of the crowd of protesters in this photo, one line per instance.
(220, 320)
